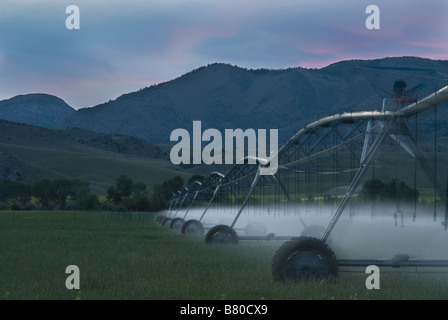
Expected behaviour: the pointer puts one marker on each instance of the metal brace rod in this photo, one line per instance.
(332, 156)
(211, 201)
(277, 179)
(417, 153)
(178, 197)
(180, 206)
(191, 204)
(398, 140)
(356, 179)
(252, 188)
(366, 140)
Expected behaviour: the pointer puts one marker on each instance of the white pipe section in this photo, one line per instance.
(426, 103)
(408, 111)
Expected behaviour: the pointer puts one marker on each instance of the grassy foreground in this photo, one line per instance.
(133, 259)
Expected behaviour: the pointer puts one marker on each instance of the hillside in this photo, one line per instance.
(36, 109)
(14, 169)
(118, 137)
(224, 96)
(29, 153)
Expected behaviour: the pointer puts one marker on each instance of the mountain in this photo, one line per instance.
(99, 143)
(223, 96)
(36, 109)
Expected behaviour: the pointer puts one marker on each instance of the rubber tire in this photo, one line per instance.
(193, 227)
(177, 223)
(315, 231)
(221, 234)
(160, 218)
(304, 259)
(166, 222)
(255, 228)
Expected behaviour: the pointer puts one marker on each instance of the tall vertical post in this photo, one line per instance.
(354, 183)
(435, 163)
(249, 194)
(445, 223)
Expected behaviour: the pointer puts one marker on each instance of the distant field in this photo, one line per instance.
(142, 260)
(35, 153)
(100, 168)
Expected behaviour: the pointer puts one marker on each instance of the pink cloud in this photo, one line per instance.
(184, 39)
(432, 45)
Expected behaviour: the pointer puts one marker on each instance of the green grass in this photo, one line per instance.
(143, 260)
(99, 167)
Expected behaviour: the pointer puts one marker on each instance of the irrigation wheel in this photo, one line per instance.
(221, 234)
(166, 222)
(177, 223)
(193, 227)
(303, 259)
(314, 231)
(255, 228)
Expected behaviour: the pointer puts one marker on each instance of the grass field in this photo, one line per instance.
(131, 259)
(98, 167)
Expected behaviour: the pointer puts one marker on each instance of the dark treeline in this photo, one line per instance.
(126, 195)
(74, 194)
(48, 194)
(375, 189)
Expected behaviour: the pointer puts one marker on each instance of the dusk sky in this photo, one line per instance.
(123, 46)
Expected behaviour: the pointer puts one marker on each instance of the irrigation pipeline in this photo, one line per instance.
(301, 160)
(405, 112)
(309, 157)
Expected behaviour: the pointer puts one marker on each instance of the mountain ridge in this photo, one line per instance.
(225, 96)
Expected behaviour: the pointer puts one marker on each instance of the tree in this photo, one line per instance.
(124, 185)
(157, 204)
(122, 189)
(139, 188)
(167, 188)
(375, 188)
(141, 202)
(41, 190)
(79, 189)
(88, 202)
(14, 191)
(372, 189)
(113, 195)
(406, 193)
(60, 190)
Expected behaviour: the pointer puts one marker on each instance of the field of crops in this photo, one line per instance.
(139, 259)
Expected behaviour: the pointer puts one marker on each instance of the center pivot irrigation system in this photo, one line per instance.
(321, 166)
